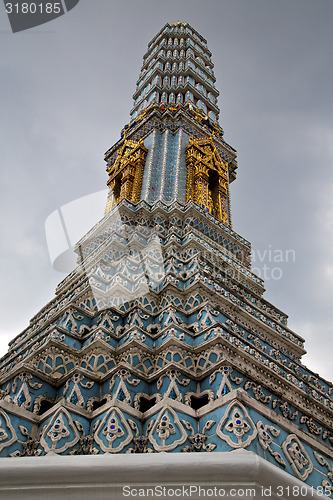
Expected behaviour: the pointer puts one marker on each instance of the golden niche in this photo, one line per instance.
(207, 179)
(126, 174)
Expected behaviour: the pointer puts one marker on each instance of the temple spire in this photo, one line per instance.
(161, 340)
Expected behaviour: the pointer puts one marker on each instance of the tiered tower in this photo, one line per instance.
(160, 340)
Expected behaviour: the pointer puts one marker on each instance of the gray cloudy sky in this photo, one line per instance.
(66, 92)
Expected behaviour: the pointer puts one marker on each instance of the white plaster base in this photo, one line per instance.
(103, 477)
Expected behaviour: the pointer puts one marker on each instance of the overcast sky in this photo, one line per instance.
(66, 92)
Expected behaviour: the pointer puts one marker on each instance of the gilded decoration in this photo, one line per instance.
(207, 179)
(125, 175)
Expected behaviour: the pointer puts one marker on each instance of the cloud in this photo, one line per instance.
(66, 94)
